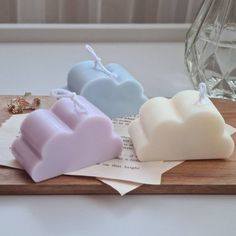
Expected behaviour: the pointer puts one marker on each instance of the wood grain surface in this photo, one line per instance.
(198, 177)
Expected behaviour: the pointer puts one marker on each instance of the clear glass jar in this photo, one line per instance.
(210, 49)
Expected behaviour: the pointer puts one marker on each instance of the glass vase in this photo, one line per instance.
(210, 49)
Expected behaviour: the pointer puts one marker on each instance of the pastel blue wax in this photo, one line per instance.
(116, 97)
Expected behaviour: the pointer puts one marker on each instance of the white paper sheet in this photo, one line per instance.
(124, 187)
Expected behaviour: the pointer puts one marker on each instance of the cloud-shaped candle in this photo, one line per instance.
(72, 135)
(111, 88)
(186, 127)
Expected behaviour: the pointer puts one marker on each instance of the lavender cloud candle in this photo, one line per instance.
(72, 135)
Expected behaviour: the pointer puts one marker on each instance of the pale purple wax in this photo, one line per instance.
(64, 139)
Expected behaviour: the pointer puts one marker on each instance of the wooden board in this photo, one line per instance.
(198, 177)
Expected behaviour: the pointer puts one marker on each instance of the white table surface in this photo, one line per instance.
(159, 66)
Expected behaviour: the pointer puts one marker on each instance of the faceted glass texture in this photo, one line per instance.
(210, 48)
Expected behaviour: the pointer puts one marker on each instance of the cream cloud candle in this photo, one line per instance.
(186, 127)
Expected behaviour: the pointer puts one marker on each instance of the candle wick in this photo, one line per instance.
(63, 93)
(98, 62)
(203, 98)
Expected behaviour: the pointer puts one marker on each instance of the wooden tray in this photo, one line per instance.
(201, 177)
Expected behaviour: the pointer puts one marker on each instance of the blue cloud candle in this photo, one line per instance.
(111, 87)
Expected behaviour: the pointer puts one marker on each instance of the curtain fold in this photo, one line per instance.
(98, 11)
(8, 11)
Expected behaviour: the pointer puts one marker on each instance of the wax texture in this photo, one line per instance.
(116, 97)
(65, 138)
(180, 129)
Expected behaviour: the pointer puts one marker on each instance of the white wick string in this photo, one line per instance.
(63, 93)
(98, 62)
(203, 99)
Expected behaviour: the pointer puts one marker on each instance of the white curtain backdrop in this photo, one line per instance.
(98, 11)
